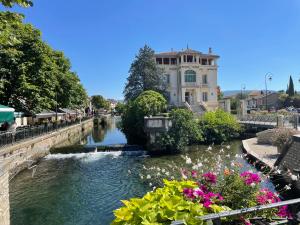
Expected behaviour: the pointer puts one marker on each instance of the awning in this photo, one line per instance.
(6, 114)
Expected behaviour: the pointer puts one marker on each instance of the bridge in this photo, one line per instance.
(269, 121)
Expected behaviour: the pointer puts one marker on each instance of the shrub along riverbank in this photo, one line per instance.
(213, 127)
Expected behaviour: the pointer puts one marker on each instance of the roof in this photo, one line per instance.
(186, 51)
(4, 108)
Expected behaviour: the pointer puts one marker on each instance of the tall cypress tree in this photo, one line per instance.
(291, 90)
(144, 75)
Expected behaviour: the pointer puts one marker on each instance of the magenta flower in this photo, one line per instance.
(207, 204)
(284, 212)
(210, 177)
(194, 174)
(250, 178)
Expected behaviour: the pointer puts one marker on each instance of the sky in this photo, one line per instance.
(101, 38)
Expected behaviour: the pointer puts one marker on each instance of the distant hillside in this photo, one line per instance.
(235, 92)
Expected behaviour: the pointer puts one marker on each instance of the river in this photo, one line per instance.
(85, 188)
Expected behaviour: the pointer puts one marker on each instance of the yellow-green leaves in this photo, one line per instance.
(162, 206)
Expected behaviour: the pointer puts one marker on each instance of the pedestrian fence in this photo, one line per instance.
(26, 132)
(216, 218)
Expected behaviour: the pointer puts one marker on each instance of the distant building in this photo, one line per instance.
(191, 77)
(258, 100)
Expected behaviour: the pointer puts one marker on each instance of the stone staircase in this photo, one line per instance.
(196, 109)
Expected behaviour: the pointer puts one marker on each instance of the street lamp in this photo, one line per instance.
(269, 77)
(243, 87)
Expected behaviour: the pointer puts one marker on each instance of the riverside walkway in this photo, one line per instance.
(267, 154)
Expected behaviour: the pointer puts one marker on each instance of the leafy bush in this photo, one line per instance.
(219, 126)
(184, 131)
(199, 194)
(163, 206)
(149, 103)
(282, 137)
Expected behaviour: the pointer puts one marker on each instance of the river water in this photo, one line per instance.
(85, 188)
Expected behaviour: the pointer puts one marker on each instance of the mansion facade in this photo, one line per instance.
(191, 78)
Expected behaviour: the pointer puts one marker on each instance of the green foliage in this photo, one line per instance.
(10, 3)
(144, 75)
(219, 126)
(163, 206)
(184, 131)
(120, 108)
(99, 102)
(33, 76)
(149, 103)
(290, 90)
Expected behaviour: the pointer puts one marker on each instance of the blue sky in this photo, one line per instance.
(101, 38)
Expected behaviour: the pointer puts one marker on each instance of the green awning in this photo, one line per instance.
(6, 114)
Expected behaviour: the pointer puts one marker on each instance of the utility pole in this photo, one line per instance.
(269, 77)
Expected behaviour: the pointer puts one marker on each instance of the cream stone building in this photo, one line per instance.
(191, 78)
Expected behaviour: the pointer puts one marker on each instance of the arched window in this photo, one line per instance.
(190, 76)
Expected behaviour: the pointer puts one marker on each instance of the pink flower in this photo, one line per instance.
(250, 178)
(207, 204)
(194, 174)
(210, 177)
(284, 212)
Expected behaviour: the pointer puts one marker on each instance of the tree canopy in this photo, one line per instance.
(290, 89)
(99, 102)
(149, 103)
(33, 76)
(144, 75)
(10, 3)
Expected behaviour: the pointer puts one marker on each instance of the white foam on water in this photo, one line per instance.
(90, 156)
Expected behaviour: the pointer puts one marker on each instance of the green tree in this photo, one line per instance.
(291, 90)
(33, 76)
(10, 3)
(148, 103)
(219, 126)
(120, 107)
(144, 75)
(184, 131)
(99, 102)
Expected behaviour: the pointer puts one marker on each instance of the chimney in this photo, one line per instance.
(209, 50)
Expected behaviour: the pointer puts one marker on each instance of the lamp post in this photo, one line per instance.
(269, 77)
(243, 87)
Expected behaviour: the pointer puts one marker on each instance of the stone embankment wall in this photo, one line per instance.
(4, 198)
(290, 158)
(17, 157)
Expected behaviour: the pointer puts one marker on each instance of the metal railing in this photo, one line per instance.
(23, 133)
(288, 121)
(215, 218)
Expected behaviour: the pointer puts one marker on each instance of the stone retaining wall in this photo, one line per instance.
(4, 198)
(17, 157)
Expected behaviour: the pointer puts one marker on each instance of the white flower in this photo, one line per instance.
(158, 174)
(294, 177)
(163, 170)
(184, 176)
(209, 148)
(287, 187)
(167, 173)
(252, 184)
(172, 177)
(232, 164)
(200, 164)
(148, 176)
(222, 150)
(278, 171)
(150, 184)
(188, 161)
(158, 169)
(195, 167)
(142, 177)
(228, 146)
(129, 171)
